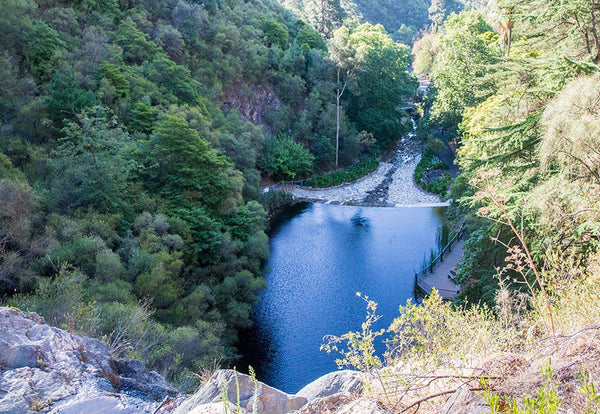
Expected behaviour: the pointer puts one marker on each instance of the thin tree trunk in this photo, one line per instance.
(508, 41)
(323, 17)
(338, 95)
(337, 120)
(586, 35)
(595, 32)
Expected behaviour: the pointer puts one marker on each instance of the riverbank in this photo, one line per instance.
(391, 185)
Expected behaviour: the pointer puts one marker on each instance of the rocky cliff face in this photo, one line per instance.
(48, 369)
(251, 102)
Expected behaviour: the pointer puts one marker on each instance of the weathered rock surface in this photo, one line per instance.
(269, 400)
(328, 394)
(362, 406)
(251, 103)
(50, 370)
(327, 405)
(217, 408)
(465, 401)
(46, 368)
(338, 382)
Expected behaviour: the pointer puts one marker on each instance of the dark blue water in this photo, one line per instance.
(321, 255)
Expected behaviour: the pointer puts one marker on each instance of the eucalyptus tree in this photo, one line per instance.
(324, 15)
(462, 58)
(573, 26)
(424, 52)
(342, 54)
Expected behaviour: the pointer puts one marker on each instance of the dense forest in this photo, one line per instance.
(516, 86)
(405, 20)
(133, 136)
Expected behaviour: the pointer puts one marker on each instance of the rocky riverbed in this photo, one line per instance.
(391, 185)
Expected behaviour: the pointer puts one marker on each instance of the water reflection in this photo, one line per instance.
(359, 220)
(321, 255)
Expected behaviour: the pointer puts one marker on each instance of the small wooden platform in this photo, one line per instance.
(439, 277)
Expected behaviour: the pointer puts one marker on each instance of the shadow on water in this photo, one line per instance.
(321, 255)
(285, 215)
(359, 220)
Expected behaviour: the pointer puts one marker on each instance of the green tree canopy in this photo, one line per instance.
(380, 82)
(183, 168)
(463, 54)
(284, 158)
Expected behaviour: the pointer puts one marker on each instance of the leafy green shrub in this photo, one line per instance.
(61, 302)
(430, 162)
(440, 186)
(364, 167)
(275, 200)
(284, 158)
(547, 400)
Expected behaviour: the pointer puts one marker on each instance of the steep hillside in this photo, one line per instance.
(405, 20)
(133, 136)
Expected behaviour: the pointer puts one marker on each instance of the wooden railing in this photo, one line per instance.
(284, 185)
(428, 268)
(422, 289)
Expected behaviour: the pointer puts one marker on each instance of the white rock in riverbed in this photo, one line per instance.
(402, 190)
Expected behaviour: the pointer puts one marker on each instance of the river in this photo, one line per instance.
(321, 255)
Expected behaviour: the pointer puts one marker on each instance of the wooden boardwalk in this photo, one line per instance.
(439, 277)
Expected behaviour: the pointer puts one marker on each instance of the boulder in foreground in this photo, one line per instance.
(268, 401)
(49, 369)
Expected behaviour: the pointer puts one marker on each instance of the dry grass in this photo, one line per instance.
(438, 349)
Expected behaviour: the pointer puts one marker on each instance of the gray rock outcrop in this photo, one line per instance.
(465, 401)
(362, 406)
(49, 369)
(326, 394)
(338, 382)
(268, 400)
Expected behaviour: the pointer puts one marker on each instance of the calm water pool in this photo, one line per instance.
(321, 255)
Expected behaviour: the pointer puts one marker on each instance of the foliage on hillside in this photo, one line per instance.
(365, 166)
(133, 135)
(507, 357)
(404, 20)
(523, 103)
